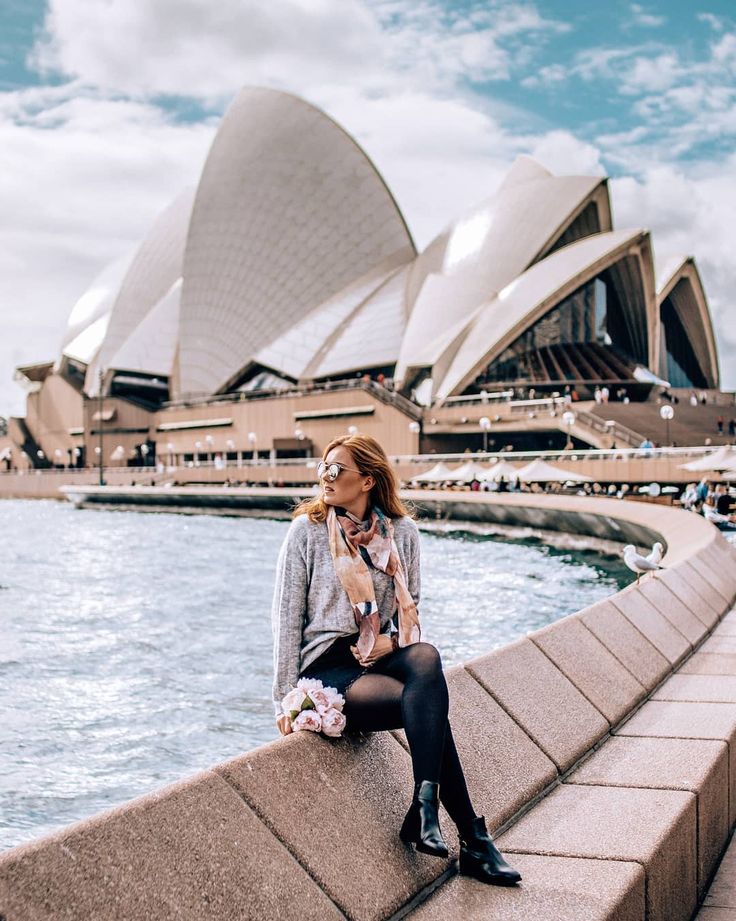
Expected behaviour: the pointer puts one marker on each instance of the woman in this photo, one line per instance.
(344, 611)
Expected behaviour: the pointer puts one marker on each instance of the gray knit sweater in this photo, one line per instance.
(311, 609)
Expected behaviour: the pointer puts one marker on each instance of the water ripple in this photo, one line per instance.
(135, 649)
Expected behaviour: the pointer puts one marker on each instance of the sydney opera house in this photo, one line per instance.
(283, 300)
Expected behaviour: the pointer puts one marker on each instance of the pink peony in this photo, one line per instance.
(333, 723)
(308, 719)
(293, 702)
(309, 685)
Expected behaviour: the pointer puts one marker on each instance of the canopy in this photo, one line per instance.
(500, 471)
(469, 471)
(539, 471)
(437, 474)
(722, 459)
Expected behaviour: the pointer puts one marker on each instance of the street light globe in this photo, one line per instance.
(568, 418)
(252, 437)
(414, 427)
(485, 423)
(230, 444)
(209, 439)
(352, 430)
(169, 447)
(198, 445)
(667, 413)
(298, 434)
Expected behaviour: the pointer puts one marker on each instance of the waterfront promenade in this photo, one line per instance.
(600, 749)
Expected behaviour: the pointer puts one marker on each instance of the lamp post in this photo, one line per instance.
(485, 424)
(197, 449)
(253, 440)
(210, 444)
(230, 448)
(568, 418)
(100, 382)
(667, 413)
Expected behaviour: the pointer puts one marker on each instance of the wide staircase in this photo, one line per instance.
(690, 425)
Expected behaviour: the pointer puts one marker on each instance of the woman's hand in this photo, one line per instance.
(382, 647)
(284, 724)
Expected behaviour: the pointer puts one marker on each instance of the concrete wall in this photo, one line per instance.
(611, 780)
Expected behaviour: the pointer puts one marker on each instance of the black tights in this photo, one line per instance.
(407, 689)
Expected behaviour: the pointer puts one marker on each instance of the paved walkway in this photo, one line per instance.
(720, 902)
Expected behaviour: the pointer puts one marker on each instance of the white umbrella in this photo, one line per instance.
(437, 474)
(539, 471)
(500, 471)
(469, 471)
(722, 459)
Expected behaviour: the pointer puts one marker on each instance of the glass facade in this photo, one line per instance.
(591, 316)
(682, 367)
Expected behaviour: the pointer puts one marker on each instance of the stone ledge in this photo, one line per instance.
(638, 636)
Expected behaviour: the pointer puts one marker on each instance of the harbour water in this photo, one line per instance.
(135, 649)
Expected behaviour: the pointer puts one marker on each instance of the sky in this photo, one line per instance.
(108, 107)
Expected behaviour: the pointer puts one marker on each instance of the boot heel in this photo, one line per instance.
(409, 832)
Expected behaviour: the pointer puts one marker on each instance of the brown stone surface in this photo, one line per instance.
(719, 644)
(338, 805)
(191, 851)
(629, 646)
(683, 588)
(716, 914)
(670, 606)
(590, 667)
(722, 892)
(503, 767)
(727, 627)
(541, 699)
(666, 719)
(552, 889)
(696, 765)
(657, 828)
(706, 688)
(708, 588)
(716, 574)
(653, 625)
(710, 663)
(720, 556)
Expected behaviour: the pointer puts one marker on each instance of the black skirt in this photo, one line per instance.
(337, 667)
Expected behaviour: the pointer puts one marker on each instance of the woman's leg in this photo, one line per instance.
(408, 689)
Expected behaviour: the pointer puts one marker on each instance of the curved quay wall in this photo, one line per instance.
(600, 749)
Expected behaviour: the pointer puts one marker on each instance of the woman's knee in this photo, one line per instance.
(424, 656)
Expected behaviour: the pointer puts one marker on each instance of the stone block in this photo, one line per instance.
(590, 667)
(682, 587)
(653, 625)
(337, 805)
(715, 574)
(705, 688)
(696, 765)
(552, 889)
(709, 663)
(719, 555)
(719, 644)
(707, 913)
(503, 767)
(722, 891)
(670, 606)
(707, 587)
(656, 828)
(666, 719)
(547, 706)
(727, 626)
(627, 644)
(188, 852)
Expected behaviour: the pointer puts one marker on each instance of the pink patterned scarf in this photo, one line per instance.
(349, 544)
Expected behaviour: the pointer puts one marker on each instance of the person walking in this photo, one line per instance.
(345, 612)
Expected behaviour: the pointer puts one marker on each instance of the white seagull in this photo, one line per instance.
(637, 563)
(657, 553)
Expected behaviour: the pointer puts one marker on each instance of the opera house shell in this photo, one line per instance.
(290, 268)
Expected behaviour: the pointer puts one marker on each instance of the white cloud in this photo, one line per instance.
(643, 18)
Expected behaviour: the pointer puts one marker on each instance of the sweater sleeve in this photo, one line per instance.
(413, 575)
(288, 611)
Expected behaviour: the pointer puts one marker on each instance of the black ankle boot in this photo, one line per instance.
(479, 857)
(421, 825)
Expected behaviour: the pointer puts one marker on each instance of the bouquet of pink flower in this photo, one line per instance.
(313, 707)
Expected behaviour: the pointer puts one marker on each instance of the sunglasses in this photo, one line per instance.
(332, 471)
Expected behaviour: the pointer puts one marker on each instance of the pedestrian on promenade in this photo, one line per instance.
(345, 612)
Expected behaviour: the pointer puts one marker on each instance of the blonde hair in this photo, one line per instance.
(371, 460)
